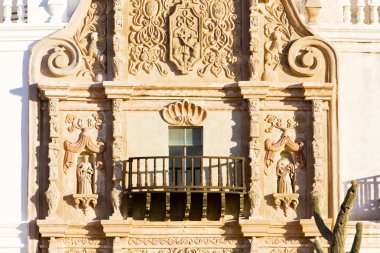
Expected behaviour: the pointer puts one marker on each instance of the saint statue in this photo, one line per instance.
(85, 172)
(286, 176)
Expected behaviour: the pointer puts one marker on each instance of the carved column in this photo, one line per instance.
(318, 150)
(53, 194)
(255, 193)
(254, 59)
(118, 40)
(117, 151)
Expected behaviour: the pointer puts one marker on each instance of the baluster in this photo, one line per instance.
(130, 174)
(219, 173)
(155, 172)
(243, 173)
(360, 15)
(20, 11)
(7, 11)
(210, 174)
(192, 171)
(347, 11)
(146, 172)
(173, 172)
(235, 173)
(138, 173)
(183, 170)
(228, 173)
(201, 172)
(163, 172)
(374, 13)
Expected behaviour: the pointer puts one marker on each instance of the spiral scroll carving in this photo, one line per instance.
(308, 56)
(65, 60)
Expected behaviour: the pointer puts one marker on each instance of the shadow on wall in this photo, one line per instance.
(367, 203)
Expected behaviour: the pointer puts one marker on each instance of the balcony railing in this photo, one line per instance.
(185, 173)
(187, 176)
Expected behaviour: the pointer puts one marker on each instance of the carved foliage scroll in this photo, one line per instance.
(184, 113)
(147, 37)
(218, 41)
(185, 37)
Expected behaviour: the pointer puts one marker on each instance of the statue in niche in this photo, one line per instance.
(84, 173)
(286, 177)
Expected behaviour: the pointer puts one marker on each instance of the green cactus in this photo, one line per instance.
(337, 238)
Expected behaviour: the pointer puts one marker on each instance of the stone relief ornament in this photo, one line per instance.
(279, 32)
(286, 196)
(91, 40)
(185, 36)
(184, 113)
(218, 40)
(147, 38)
(95, 121)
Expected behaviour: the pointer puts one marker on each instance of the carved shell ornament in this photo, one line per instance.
(184, 113)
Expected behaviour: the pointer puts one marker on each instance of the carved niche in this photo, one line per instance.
(87, 154)
(184, 113)
(289, 156)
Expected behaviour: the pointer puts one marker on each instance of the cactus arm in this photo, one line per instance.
(358, 238)
(318, 246)
(323, 229)
(341, 222)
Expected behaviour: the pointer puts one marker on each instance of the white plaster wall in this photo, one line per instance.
(14, 55)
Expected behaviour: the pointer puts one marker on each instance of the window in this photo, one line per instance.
(185, 141)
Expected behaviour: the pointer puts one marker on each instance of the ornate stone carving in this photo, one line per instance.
(279, 32)
(95, 121)
(53, 194)
(147, 37)
(254, 58)
(91, 40)
(218, 40)
(255, 193)
(285, 143)
(84, 201)
(118, 40)
(117, 151)
(170, 241)
(65, 59)
(184, 113)
(185, 36)
(318, 150)
(289, 200)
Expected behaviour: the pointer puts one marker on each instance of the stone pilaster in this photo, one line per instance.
(318, 149)
(255, 193)
(254, 58)
(117, 152)
(53, 194)
(118, 40)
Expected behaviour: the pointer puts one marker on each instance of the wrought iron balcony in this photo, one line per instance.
(193, 177)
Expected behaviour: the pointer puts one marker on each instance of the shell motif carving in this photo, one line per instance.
(184, 113)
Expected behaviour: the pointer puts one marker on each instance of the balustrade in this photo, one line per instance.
(361, 12)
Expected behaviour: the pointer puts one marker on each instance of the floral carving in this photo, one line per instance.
(91, 41)
(185, 37)
(184, 113)
(254, 59)
(218, 41)
(184, 241)
(52, 197)
(280, 33)
(148, 37)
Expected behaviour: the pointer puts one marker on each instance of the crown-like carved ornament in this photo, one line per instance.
(184, 113)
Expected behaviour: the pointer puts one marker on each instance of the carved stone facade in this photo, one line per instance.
(183, 126)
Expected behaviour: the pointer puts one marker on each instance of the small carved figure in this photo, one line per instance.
(85, 172)
(285, 171)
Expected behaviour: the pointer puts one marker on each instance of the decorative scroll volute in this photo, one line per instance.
(184, 113)
(185, 37)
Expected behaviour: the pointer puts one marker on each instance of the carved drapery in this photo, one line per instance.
(117, 152)
(53, 194)
(255, 193)
(184, 113)
(318, 150)
(84, 142)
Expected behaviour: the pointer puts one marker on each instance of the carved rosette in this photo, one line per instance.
(254, 58)
(118, 40)
(184, 113)
(117, 151)
(53, 194)
(318, 150)
(255, 193)
(185, 29)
